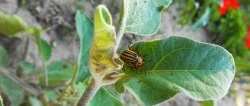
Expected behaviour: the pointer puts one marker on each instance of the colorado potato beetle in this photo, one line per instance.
(131, 58)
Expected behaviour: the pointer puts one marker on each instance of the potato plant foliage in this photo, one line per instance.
(171, 65)
(202, 71)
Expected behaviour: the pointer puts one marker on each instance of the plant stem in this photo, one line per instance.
(123, 21)
(46, 73)
(89, 93)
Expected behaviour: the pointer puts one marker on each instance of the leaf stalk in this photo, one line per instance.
(89, 93)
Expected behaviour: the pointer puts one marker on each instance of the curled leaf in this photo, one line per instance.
(101, 55)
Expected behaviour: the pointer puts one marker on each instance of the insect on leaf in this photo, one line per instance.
(202, 71)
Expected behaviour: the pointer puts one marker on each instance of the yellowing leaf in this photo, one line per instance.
(101, 61)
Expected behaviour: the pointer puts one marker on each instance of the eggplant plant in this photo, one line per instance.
(170, 65)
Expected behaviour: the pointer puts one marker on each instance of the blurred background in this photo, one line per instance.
(51, 41)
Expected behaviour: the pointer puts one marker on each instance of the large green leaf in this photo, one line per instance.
(85, 30)
(10, 25)
(4, 58)
(143, 16)
(110, 98)
(13, 91)
(202, 71)
(58, 72)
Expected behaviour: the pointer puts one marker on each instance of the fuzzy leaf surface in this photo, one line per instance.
(143, 16)
(202, 71)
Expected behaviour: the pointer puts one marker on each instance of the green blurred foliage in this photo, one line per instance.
(196, 9)
(208, 103)
(44, 48)
(58, 72)
(11, 25)
(4, 58)
(27, 67)
(229, 30)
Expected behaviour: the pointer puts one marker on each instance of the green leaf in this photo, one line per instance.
(242, 64)
(1, 101)
(10, 25)
(207, 103)
(85, 30)
(143, 16)
(44, 48)
(110, 98)
(34, 101)
(51, 94)
(189, 7)
(202, 21)
(80, 87)
(27, 67)
(4, 58)
(58, 72)
(13, 91)
(202, 71)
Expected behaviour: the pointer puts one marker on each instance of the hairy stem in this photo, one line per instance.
(89, 93)
(123, 21)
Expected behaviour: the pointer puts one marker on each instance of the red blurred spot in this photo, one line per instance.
(248, 42)
(248, 38)
(226, 4)
(234, 4)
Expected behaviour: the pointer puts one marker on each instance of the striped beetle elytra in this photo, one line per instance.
(131, 58)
